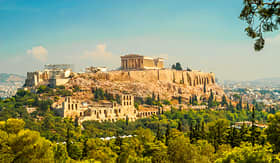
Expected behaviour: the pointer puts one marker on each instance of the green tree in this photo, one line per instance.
(217, 132)
(180, 99)
(224, 101)
(248, 153)
(180, 149)
(273, 131)
(19, 145)
(210, 100)
(177, 66)
(60, 153)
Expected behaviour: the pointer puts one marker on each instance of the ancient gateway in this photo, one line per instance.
(139, 62)
(53, 75)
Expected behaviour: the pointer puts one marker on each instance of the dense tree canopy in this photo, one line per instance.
(174, 136)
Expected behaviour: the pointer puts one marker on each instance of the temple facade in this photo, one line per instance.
(139, 62)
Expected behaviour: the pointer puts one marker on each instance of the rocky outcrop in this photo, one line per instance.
(188, 78)
(166, 82)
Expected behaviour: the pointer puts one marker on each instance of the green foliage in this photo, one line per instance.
(248, 153)
(174, 136)
(177, 66)
(217, 132)
(166, 102)
(273, 131)
(76, 88)
(261, 16)
(60, 153)
(149, 101)
(19, 145)
(224, 101)
(211, 100)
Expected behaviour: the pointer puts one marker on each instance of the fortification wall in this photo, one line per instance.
(189, 78)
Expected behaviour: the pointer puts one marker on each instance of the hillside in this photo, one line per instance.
(9, 83)
(10, 78)
(261, 83)
(165, 83)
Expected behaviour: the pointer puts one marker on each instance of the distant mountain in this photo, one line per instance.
(269, 82)
(11, 78)
(263, 82)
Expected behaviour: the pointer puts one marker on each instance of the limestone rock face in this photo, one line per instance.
(165, 82)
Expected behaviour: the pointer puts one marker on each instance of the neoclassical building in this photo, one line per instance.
(139, 62)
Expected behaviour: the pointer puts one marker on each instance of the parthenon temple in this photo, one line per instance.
(135, 61)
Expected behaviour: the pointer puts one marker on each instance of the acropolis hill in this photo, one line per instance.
(165, 82)
(139, 76)
(143, 76)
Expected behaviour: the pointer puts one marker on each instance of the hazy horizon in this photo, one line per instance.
(203, 36)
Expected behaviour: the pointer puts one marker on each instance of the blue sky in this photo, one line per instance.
(204, 35)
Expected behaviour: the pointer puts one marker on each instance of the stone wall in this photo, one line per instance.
(166, 83)
(188, 78)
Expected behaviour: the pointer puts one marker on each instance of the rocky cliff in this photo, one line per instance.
(167, 83)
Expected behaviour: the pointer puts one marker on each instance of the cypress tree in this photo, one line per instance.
(180, 128)
(253, 133)
(204, 87)
(210, 100)
(224, 101)
(191, 132)
(153, 96)
(167, 134)
(126, 120)
(180, 99)
(202, 130)
(248, 107)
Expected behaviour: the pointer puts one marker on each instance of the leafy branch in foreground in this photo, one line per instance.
(261, 16)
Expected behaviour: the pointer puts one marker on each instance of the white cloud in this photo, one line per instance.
(98, 53)
(38, 52)
(164, 56)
